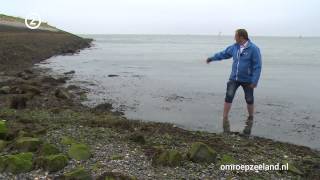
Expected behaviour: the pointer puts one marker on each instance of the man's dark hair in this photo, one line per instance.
(242, 33)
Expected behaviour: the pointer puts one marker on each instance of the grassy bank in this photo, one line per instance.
(18, 20)
(20, 49)
(45, 131)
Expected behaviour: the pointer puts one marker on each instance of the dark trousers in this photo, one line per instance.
(232, 87)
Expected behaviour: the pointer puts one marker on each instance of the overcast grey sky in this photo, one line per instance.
(259, 17)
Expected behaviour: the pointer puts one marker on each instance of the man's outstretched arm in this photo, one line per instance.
(225, 54)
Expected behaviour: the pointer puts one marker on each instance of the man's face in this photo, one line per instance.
(237, 38)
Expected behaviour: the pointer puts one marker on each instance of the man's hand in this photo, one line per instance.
(252, 86)
(208, 60)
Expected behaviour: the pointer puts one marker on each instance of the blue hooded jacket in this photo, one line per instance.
(246, 66)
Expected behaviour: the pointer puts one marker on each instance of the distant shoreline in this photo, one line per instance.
(214, 35)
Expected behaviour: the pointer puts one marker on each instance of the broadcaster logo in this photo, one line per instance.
(32, 21)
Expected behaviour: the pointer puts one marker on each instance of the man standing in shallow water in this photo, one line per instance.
(246, 69)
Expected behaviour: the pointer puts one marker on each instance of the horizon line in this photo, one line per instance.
(173, 34)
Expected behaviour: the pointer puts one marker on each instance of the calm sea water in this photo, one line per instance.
(165, 78)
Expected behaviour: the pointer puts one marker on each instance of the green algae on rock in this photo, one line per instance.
(18, 163)
(27, 144)
(2, 163)
(227, 159)
(48, 149)
(201, 152)
(291, 167)
(168, 158)
(5, 90)
(3, 129)
(62, 93)
(53, 163)
(23, 133)
(79, 151)
(65, 140)
(78, 173)
(117, 157)
(138, 138)
(3, 144)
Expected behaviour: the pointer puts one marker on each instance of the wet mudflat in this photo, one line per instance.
(165, 79)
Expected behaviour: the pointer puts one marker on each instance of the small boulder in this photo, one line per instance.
(27, 144)
(62, 93)
(69, 51)
(168, 158)
(16, 90)
(18, 163)
(22, 133)
(138, 138)
(65, 140)
(5, 90)
(201, 152)
(26, 74)
(2, 163)
(227, 159)
(29, 71)
(79, 151)
(77, 174)
(117, 157)
(49, 80)
(3, 129)
(69, 72)
(52, 81)
(3, 144)
(34, 90)
(63, 80)
(48, 149)
(52, 163)
(103, 107)
(18, 102)
(72, 87)
(292, 168)
(113, 75)
(83, 97)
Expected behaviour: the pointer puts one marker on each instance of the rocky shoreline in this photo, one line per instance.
(46, 133)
